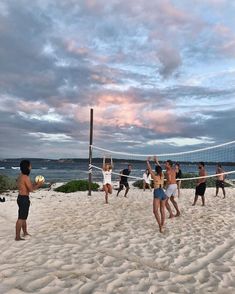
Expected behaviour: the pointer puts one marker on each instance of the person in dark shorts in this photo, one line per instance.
(201, 184)
(124, 180)
(178, 177)
(25, 186)
(220, 179)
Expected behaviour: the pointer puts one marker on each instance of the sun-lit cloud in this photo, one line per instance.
(180, 142)
(51, 137)
(153, 71)
(31, 106)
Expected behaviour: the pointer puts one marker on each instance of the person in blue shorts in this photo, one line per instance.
(159, 196)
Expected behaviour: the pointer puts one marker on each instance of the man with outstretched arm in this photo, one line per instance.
(124, 180)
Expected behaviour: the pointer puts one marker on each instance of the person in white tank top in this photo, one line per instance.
(147, 180)
(107, 178)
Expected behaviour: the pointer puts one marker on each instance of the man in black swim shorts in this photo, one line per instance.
(124, 180)
(201, 184)
(220, 180)
(25, 186)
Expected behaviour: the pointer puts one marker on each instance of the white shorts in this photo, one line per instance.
(171, 190)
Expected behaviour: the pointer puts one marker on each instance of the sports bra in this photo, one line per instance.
(159, 182)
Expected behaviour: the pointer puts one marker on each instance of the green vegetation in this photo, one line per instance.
(7, 184)
(76, 185)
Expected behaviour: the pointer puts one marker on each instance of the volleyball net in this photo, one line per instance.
(223, 154)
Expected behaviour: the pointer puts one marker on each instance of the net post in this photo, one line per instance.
(90, 152)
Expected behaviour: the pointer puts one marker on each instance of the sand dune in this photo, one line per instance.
(80, 245)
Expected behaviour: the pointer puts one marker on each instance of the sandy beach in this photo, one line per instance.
(80, 245)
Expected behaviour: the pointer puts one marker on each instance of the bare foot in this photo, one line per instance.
(203, 204)
(223, 197)
(171, 216)
(177, 214)
(19, 239)
(27, 234)
(193, 204)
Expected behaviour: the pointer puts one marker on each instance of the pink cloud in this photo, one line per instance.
(161, 121)
(112, 99)
(229, 48)
(223, 30)
(71, 46)
(32, 107)
(120, 111)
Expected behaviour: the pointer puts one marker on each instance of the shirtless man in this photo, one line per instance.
(201, 184)
(25, 187)
(124, 180)
(220, 179)
(171, 187)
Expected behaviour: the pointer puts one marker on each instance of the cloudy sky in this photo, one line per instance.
(160, 75)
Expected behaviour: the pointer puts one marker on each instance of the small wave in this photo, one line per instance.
(44, 167)
(2, 167)
(15, 167)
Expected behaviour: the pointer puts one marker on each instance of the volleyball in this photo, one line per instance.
(39, 179)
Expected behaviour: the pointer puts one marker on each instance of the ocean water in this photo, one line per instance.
(64, 170)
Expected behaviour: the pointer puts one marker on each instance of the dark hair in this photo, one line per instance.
(24, 167)
(219, 165)
(202, 163)
(177, 163)
(170, 162)
(158, 170)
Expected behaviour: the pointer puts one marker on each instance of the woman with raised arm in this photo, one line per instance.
(159, 197)
(107, 182)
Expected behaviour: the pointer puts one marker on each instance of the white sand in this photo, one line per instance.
(80, 245)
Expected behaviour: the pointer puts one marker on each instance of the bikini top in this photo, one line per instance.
(159, 181)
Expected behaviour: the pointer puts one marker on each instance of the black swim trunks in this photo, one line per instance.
(23, 203)
(126, 184)
(124, 180)
(200, 189)
(219, 184)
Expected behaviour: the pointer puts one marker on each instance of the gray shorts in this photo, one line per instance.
(171, 190)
